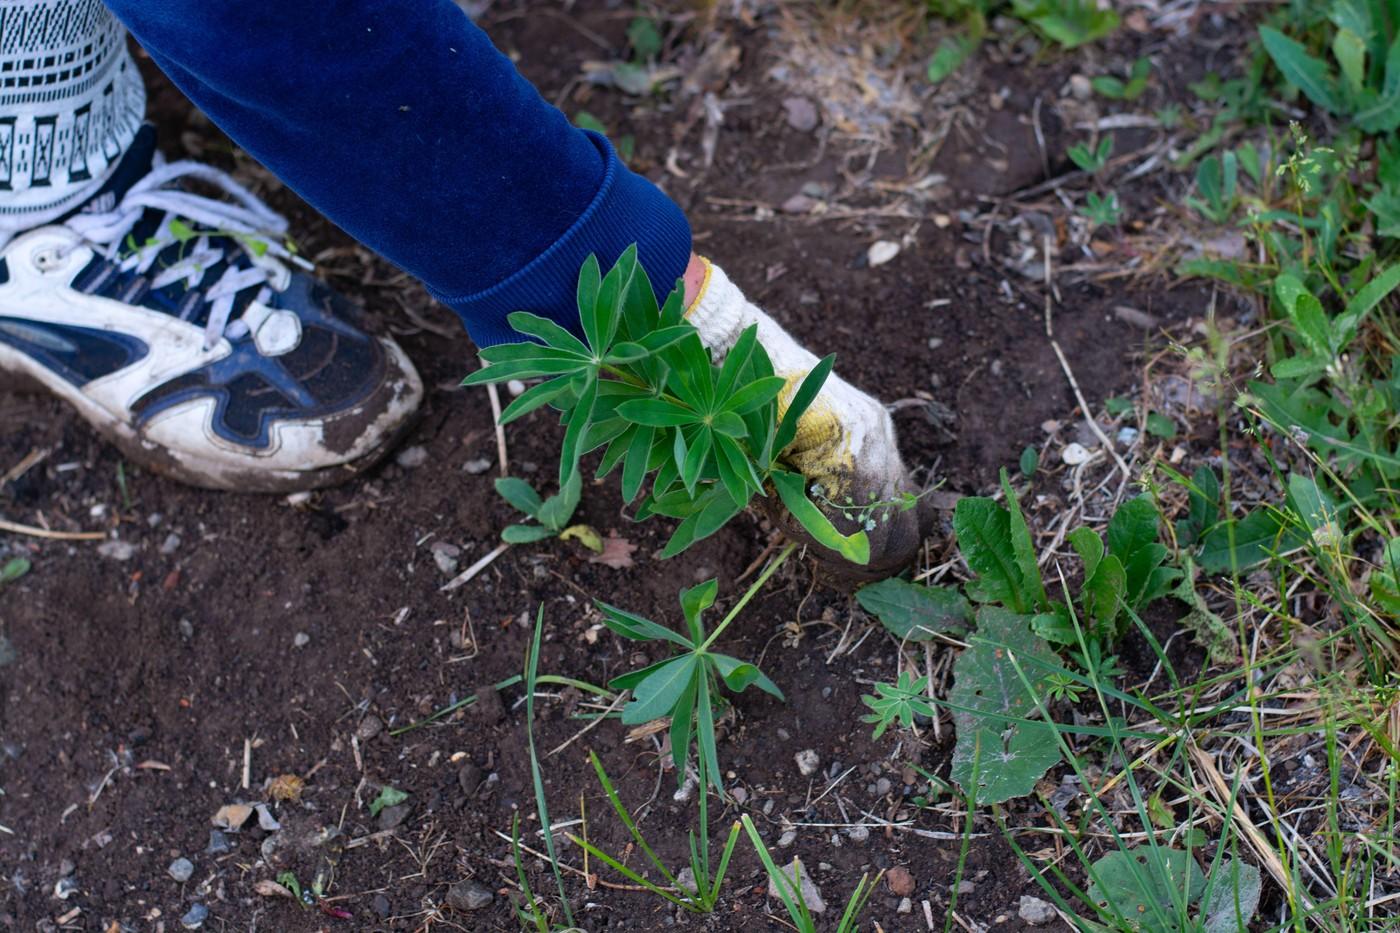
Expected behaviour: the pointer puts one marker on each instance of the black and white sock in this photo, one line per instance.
(71, 100)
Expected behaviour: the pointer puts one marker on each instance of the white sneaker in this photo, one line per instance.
(178, 328)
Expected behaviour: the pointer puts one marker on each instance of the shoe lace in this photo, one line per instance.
(235, 221)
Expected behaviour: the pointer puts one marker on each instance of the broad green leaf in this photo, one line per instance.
(1350, 51)
(580, 417)
(728, 424)
(1307, 315)
(526, 534)
(1362, 303)
(13, 569)
(632, 626)
(735, 361)
(589, 279)
(1310, 75)
(740, 675)
(634, 467)
(1089, 546)
(983, 529)
(1315, 509)
(1103, 592)
(1258, 536)
(952, 51)
(735, 471)
(656, 696)
(1003, 747)
(682, 726)
(519, 494)
(1132, 527)
(792, 490)
(632, 678)
(915, 612)
(1147, 887)
(559, 508)
(1233, 897)
(1030, 461)
(586, 535)
(697, 456)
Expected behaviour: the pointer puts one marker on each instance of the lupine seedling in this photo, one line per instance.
(687, 687)
(552, 514)
(1092, 160)
(642, 387)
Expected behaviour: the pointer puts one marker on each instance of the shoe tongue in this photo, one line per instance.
(135, 165)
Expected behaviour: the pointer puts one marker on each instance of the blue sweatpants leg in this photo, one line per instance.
(401, 122)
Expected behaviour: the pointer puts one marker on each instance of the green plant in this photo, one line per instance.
(1216, 182)
(1117, 89)
(388, 797)
(1102, 211)
(703, 896)
(898, 703)
(1162, 890)
(686, 687)
(789, 889)
(13, 569)
(1069, 23)
(532, 674)
(1091, 159)
(552, 514)
(641, 385)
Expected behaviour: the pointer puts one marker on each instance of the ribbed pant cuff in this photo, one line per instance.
(627, 209)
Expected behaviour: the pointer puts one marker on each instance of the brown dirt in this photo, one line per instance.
(136, 684)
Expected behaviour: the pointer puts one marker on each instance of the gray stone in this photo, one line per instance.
(808, 761)
(194, 917)
(182, 869)
(858, 834)
(369, 727)
(301, 640)
(411, 457)
(469, 895)
(882, 787)
(391, 817)
(796, 873)
(477, 466)
(382, 906)
(685, 880)
(469, 777)
(1035, 911)
(801, 114)
(218, 843)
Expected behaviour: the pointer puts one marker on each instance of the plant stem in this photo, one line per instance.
(753, 589)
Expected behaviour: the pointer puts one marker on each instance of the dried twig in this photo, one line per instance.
(500, 428)
(34, 532)
(476, 568)
(1088, 413)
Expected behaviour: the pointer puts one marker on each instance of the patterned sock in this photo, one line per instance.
(71, 99)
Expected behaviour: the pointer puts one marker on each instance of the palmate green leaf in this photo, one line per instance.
(983, 529)
(713, 510)
(735, 471)
(792, 490)
(1003, 747)
(617, 449)
(590, 278)
(600, 322)
(1305, 72)
(634, 467)
(658, 694)
(554, 363)
(637, 628)
(520, 494)
(755, 395)
(735, 361)
(915, 612)
(632, 678)
(898, 703)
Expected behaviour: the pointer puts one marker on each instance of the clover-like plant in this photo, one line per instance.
(642, 387)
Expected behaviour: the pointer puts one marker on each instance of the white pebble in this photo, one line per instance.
(1074, 454)
(807, 762)
(301, 640)
(881, 252)
(515, 387)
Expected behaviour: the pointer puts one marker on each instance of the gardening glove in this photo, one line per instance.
(845, 443)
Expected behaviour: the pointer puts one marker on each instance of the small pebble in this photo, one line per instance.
(1081, 87)
(391, 817)
(181, 869)
(787, 838)
(369, 727)
(301, 640)
(881, 252)
(965, 888)
(469, 895)
(685, 879)
(515, 387)
(194, 918)
(117, 550)
(901, 882)
(740, 795)
(801, 114)
(477, 466)
(1074, 454)
(382, 906)
(807, 762)
(906, 906)
(171, 544)
(469, 777)
(65, 888)
(1035, 911)
(806, 888)
(858, 834)
(882, 787)
(218, 843)
(1126, 436)
(411, 457)
(445, 556)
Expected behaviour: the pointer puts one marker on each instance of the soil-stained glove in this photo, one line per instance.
(845, 441)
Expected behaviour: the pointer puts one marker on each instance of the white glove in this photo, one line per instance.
(845, 442)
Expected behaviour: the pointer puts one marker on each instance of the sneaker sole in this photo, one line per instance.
(19, 372)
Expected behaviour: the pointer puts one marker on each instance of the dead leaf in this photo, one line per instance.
(232, 816)
(286, 787)
(585, 535)
(616, 553)
(269, 888)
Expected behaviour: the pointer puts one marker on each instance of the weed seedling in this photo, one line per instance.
(789, 889)
(1092, 160)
